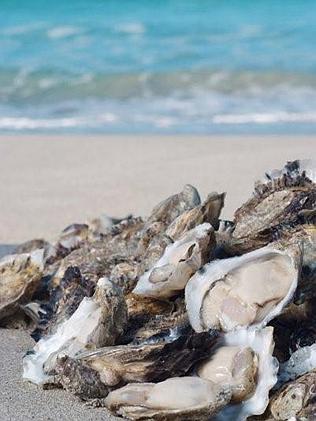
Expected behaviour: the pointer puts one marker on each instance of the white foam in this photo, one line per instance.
(63, 32)
(131, 28)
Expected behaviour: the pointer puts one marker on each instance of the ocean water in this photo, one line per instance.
(166, 66)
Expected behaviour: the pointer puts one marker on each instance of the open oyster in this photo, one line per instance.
(246, 365)
(64, 301)
(242, 291)
(20, 275)
(98, 321)
(178, 263)
(178, 398)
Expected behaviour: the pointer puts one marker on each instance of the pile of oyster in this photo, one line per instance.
(181, 316)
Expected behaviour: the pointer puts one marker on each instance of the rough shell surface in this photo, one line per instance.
(20, 275)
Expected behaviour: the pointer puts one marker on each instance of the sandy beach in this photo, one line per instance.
(48, 182)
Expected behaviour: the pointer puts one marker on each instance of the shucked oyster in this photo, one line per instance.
(20, 274)
(178, 399)
(98, 321)
(242, 291)
(246, 365)
(178, 263)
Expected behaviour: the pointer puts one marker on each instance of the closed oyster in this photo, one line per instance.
(79, 379)
(169, 209)
(178, 263)
(295, 399)
(71, 238)
(178, 398)
(32, 245)
(150, 362)
(20, 275)
(249, 290)
(98, 321)
(97, 259)
(285, 199)
(208, 211)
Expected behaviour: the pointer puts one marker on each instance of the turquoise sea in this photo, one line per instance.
(166, 66)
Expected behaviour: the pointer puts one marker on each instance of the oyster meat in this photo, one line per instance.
(249, 290)
(178, 398)
(178, 263)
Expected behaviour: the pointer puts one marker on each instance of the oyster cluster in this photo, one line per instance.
(181, 316)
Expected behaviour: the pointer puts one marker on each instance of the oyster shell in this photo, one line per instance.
(64, 301)
(295, 399)
(178, 398)
(79, 379)
(30, 246)
(150, 362)
(208, 211)
(97, 259)
(98, 321)
(169, 209)
(250, 371)
(249, 290)
(20, 275)
(178, 263)
(285, 199)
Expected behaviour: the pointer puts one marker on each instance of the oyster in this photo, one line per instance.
(150, 362)
(71, 238)
(97, 259)
(234, 366)
(246, 365)
(249, 290)
(98, 321)
(208, 211)
(178, 398)
(295, 399)
(64, 301)
(285, 199)
(79, 379)
(20, 275)
(169, 209)
(178, 263)
(32, 245)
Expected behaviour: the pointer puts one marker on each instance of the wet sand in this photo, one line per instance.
(47, 182)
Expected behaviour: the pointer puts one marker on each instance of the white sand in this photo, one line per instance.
(48, 182)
